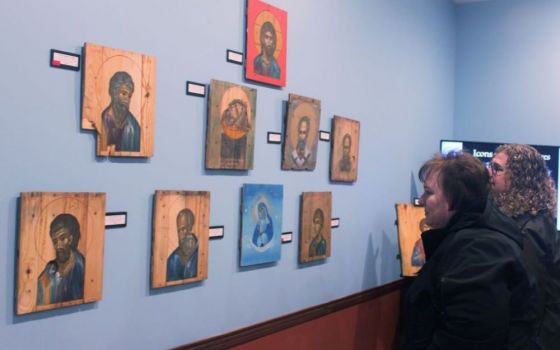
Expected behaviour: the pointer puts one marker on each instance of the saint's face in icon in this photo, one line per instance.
(265, 63)
(187, 240)
(62, 278)
(121, 129)
(183, 261)
(121, 88)
(318, 245)
(303, 129)
(345, 163)
(318, 221)
(124, 94)
(262, 211)
(346, 145)
(235, 115)
(303, 133)
(268, 39)
(62, 243)
(234, 111)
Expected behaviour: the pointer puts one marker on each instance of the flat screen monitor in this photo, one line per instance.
(485, 151)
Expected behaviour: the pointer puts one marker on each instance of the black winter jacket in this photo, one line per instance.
(474, 291)
(541, 249)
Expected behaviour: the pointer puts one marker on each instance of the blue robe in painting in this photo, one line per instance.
(176, 270)
(263, 233)
(53, 288)
(125, 139)
(317, 247)
(270, 70)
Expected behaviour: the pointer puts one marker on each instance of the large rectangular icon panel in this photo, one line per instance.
(61, 240)
(315, 228)
(410, 225)
(261, 229)
(301, 131)
(344, 149)
(119, 94)
(230, 132)
(180, 237)
(266, 43)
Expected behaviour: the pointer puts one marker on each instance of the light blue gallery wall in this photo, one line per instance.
(508, 72)
(388, 64)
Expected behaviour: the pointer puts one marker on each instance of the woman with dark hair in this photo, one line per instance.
(523, 189)
(474, 291)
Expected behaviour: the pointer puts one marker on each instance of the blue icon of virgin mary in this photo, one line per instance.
(263, 233)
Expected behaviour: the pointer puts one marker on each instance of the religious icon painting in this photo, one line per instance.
(180, 237)
(261, 224)
(301, 130)
(118, 102)
(230, 132)
(315, 226)
(410, 225)
(266, 43)
(60, 260)
(344, 149)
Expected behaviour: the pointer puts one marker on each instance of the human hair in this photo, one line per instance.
(268, 27)
(462, 177)
(188, 215)
(118, 79)
(69, 222)
(531, 188)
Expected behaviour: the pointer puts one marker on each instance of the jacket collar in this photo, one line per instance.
(490, 218)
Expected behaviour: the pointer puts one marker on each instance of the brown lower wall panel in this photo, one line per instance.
(366, 320)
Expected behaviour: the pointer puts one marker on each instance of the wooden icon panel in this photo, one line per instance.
(180, 237)
(119, 94)
(266, 43)
(230, 132)
(301, 130)
(410, 225)
(60, 260)
(315, 226)
(344, 149)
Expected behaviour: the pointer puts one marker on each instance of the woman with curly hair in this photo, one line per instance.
(523, 189)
